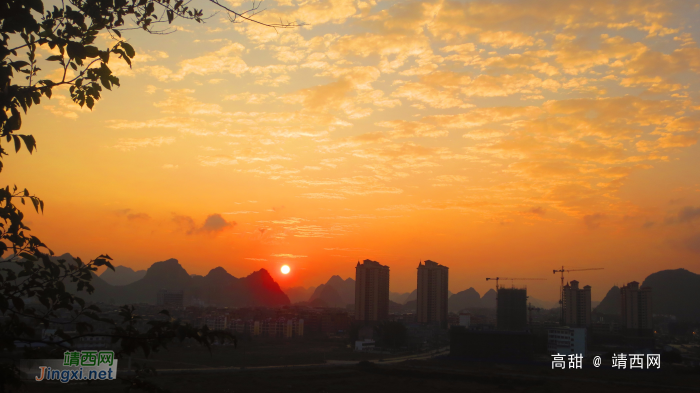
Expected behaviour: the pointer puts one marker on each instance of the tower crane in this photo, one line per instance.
(561, 288)
(511, 279)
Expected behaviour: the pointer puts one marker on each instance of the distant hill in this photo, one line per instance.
(413, 296)
(489, 299)
(544, 304)
(122, 275)
(399, 298)
(262, 290)
(611, 302)
(468, 298)
(345, 289)
(675, 292)
(299, 294)
(330, 296)
(395, 308)
(218, 288)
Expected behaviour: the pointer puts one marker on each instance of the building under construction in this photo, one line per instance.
(511, 313)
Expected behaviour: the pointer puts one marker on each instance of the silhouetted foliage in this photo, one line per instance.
(33, 285)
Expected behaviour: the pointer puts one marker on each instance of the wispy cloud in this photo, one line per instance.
(129, 144)
(288, 256)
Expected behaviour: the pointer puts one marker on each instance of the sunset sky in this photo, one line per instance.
(499, 138)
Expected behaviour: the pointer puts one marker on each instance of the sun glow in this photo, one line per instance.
(285, 269)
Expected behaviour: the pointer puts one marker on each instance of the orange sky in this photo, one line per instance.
(497, 138)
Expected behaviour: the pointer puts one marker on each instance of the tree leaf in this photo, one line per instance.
(30, 142)
(18, 144)
(18, 303)
(128, 49)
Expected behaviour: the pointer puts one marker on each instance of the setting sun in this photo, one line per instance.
(285, 269)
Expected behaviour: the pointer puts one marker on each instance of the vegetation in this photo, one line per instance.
(34, 286)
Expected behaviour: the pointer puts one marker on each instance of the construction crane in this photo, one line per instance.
(511, 279)
(530, 309)
(561, 288)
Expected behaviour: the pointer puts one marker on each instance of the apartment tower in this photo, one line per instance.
(636, 307)
(371, 291)
(577, 305)
(432, 293)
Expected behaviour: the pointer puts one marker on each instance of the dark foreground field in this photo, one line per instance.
(439, 375)
(251, 354)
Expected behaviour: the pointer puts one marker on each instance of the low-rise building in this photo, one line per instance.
(279, 327)
(216, 322)
(566, 340)
(465, 319)
(366, 345)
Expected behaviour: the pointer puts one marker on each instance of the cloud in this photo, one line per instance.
(213, 224)
(457, 20)
(449, 180)
(224, 60)
(544, 103)
(685, 215)
(537, 210)
(692, 243)
(288, 256)
(394, 50)
(184, 223)
(217, 160)
(593, 221)
(65, 107)
(181, 102)
(138, 217)
(129, 144)
(352, 87)
(133, 216)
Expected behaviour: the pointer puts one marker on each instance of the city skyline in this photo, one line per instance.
(570, 286)
(497, 138)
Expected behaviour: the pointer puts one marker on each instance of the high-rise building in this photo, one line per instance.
(636, 307)
(577, 305)
(371, 291)
(511, 312)
(170, 299)
(431, 301)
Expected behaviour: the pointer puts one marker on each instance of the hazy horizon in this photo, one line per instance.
(596, 296)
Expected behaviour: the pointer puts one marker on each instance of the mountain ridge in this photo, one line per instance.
(217, 288)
